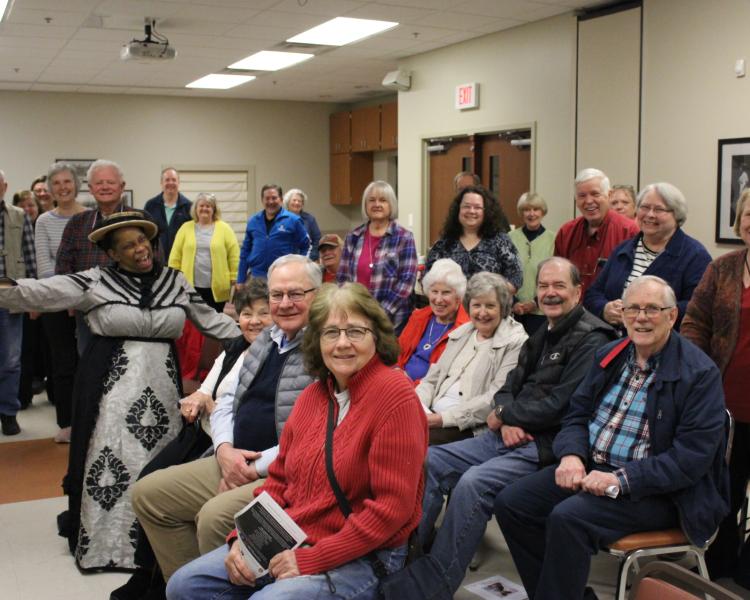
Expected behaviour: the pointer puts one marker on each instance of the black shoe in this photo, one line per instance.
(9, 425)
(37, 385)
(135, 587)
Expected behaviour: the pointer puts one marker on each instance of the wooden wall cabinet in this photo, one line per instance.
(350, 174)
(389, 126)
(366, 129)
(340, 134)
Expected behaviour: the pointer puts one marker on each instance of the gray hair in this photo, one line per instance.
(390, 197)
(206, 197)
(103, 164)
(575, 274)
(738, 212)
(445, 271)
(485, 282)
(531, 200)
(671, 196)
(589, 174)
(314, 274)
(61, 167)
(294, 192)
(669, 297)
(474, 177)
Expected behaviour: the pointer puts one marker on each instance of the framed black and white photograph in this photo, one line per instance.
(81, 166)
(733, 179)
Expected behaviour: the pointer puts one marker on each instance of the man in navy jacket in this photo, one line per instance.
(641, 448)
(169, 209)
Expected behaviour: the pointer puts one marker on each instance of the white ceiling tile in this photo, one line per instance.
(496, 25)
(384, 12)
(37, 17)
(433, 4)
(508, 9)
(326, 8)
(66, 5)
(453, 20)
(253, 32)
(22, 29)
(31, 43)
(286, 20)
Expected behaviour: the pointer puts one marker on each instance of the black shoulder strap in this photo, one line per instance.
(377, 565)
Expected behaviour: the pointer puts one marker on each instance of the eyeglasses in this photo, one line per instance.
(657, 210)
(650, 311)
(468, 207)
(294, 295)
(353, 334)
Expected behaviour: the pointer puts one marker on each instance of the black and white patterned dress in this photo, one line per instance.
(134, 378)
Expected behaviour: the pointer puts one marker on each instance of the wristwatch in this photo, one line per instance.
(612, 491)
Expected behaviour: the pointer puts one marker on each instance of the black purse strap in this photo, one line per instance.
(377, 565)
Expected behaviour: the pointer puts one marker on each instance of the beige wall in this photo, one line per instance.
(286, 142)
(609, 89)
(692, 99)
(526, 75)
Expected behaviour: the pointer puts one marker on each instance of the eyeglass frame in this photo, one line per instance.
(346, 331)
(304, 293)
(658, 310)
(657, 210)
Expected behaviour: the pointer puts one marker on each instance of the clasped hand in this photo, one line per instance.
(282, 566)
(237, 466)
(571, 475)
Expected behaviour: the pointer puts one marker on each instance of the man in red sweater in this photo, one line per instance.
(587, 240)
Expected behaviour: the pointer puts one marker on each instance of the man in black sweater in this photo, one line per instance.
(527, 414)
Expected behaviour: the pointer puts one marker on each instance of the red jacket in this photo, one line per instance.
(378, 452)
(414, 331)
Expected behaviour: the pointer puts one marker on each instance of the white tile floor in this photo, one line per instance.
(36, 563)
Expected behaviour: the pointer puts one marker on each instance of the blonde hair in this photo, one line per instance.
(205, 197)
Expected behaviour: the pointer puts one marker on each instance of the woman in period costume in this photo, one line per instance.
(128, 384)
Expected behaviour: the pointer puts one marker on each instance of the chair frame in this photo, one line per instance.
(677, 574)
(629, 558)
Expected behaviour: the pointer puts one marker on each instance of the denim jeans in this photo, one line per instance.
(552, 533)
(474, 471)
(205, 578)
(11, 335)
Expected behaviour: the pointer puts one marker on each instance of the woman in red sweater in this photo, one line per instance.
(379, 446)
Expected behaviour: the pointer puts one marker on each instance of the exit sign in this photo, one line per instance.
(467, 96)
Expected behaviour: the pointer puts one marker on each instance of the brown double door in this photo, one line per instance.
(504, 169)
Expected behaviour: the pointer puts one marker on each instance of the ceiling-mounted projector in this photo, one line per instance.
(153, 48)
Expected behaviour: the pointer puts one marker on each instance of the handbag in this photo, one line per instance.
(422, 577)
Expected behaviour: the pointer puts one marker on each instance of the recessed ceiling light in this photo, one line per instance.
(217, 81)
(269, 60)
(341, 30)
(3, 7)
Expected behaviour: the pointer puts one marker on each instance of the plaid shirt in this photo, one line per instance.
(394, 271)
(618, 432)
(76, 253)
(27, 243)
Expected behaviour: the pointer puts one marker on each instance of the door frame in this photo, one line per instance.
(425, 140)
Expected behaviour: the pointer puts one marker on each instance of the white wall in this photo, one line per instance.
(286, 142)
(692, 99)
(526, 75)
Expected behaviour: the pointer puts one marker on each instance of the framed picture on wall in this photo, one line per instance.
(81, 165)
(733, 179)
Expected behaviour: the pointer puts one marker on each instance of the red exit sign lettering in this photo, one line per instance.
(467, 96)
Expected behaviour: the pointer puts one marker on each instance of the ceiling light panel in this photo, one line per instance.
(217, 81)
(270, 60)
(341, 31)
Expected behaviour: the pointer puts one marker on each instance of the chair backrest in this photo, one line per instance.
(730, 436)
(649, 585)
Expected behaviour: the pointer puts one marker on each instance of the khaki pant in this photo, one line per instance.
(181, 513)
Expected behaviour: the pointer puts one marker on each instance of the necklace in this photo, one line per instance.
(430, 339)
(368, 238)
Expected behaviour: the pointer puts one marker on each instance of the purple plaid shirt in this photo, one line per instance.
(76, 253)
(27, 243)
(394, 271)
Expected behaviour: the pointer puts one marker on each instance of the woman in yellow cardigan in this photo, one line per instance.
(206, 251)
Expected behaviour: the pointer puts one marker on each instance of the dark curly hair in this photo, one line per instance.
(255, 288)
(351, 298)
(494, 221)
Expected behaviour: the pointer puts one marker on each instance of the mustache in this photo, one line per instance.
(552, 300)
